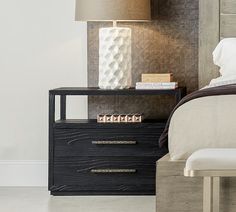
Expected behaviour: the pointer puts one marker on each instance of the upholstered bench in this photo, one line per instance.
(211, 164)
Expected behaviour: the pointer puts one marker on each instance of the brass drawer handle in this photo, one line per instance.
(114, 142)
(111, 171)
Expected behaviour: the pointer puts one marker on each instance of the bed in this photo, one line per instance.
(192, 119)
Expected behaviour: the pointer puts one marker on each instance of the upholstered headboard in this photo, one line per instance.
(217, 20)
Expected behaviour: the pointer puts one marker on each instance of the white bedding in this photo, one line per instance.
(208, 122)
(224, 56)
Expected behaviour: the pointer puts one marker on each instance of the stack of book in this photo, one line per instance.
(157, 82)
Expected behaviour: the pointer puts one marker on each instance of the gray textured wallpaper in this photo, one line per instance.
(167, 44)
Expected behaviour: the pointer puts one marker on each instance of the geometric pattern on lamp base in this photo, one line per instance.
(115, 58)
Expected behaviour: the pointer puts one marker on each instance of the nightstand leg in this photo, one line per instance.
(51, 153)
(178, 97)
(51, 109)
(63, 107)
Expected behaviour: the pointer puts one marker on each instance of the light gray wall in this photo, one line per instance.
(41, 47)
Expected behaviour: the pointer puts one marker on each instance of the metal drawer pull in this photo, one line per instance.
(110, 171)
(114, 142)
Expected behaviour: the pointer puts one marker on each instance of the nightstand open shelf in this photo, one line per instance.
(90, 158)
(68, 123)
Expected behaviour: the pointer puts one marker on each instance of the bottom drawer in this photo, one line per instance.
(104, 174)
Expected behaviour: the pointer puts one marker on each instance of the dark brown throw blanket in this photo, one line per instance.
(214, 91)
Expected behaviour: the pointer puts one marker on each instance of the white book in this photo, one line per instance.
(157, 83)
(157, 86)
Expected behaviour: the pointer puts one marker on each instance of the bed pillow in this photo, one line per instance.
(224, 56)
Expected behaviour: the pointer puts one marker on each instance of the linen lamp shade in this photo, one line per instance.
(115, 59)
(113, 10)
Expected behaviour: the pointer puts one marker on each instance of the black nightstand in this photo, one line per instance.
(90, 158)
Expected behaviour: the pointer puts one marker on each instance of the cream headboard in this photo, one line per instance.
(217, 20)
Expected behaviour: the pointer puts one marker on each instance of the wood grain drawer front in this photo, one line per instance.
(92, 173)
(109, 142)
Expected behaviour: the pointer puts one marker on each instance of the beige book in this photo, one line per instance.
(157, 77)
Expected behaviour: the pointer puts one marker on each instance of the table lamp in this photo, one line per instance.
(115, 61)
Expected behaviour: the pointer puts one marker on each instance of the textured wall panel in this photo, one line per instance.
(167, 44)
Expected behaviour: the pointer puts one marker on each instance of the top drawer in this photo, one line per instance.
(107, 142)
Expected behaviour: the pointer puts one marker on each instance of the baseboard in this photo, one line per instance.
(23, 173)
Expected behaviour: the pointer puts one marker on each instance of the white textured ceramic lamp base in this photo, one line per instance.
(115, 58)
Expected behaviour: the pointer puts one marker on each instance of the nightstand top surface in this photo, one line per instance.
(98, 91)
